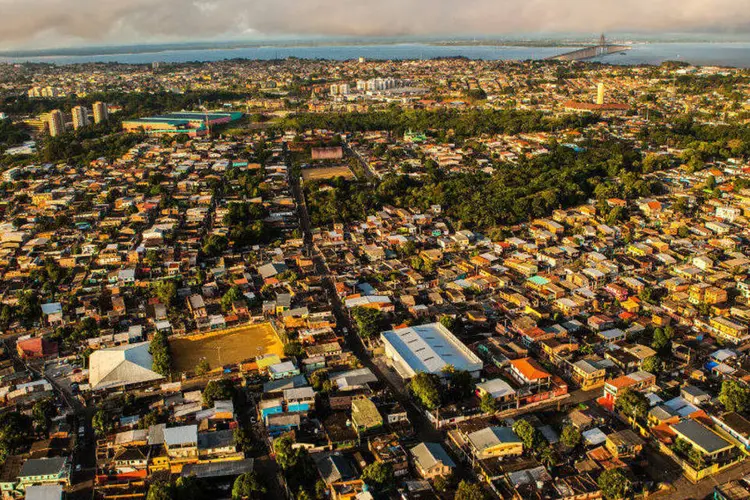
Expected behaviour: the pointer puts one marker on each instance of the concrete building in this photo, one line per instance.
(428, 348)
(121, 366)
(600, 94)
(80, 117)
(431, 460)
(56, 123)
(101, 113)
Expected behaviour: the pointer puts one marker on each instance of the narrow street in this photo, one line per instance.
(424, 430)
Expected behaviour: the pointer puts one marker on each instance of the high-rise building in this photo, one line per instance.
(56, 123)
(600, 93)
(80, 117)
(100, 112)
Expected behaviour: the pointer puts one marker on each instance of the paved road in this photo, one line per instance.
(682, 489)
(365, 166)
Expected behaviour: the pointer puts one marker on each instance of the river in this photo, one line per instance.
(704, 54)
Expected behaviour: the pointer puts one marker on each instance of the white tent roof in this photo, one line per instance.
(121, 365)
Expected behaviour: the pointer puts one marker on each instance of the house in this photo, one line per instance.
(279, 423)
(299, 399)
(495, 442)
(707, 442)
(339, 475)
(36, 348)
(625, 443)
(736, 426)
(588, 374)
(636, 381)
(284, 369)
(694, 395)
(197, 306)
(181, 444)
(388, 450)
(528, 372)
(53, 313)
(499, 390)
(44, 492)
(365, 415)
(431, 460)
(44, 471)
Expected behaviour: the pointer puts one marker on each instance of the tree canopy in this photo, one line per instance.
(734, 396)
(426, 387)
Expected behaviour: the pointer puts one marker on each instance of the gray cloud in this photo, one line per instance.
(33, 23)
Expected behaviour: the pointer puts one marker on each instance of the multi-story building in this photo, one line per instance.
(80, 117)
(101, 113)
(56, 123)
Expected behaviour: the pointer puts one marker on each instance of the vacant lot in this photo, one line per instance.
(327, 173)
(225, 347)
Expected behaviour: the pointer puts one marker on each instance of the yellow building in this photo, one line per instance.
(495, 442)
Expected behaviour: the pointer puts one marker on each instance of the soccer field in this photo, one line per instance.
(327, 173)
(225, 347)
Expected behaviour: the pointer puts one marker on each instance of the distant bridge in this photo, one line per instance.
(602, 49)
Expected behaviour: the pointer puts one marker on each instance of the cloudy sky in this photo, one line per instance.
(62, 23)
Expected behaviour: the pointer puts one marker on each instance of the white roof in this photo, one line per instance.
(430, 348)
(497, 388)
(594, 436)
(44, 492)
(121, 365)
(367, 299)
(185, 434)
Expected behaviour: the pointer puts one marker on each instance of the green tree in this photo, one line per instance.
(662, 338)
(42, 412)
(189, 488)
(379, 475)
(101, 423)
(469, 491)
(15, 432)
(286, 456)
(460, 382)
(488, 404)
(368, 321)
(243, 438)
(166, 292)
(234, 294)
(248, 486)
(202, 367)
(734, 396)
(159, 491)
(449, 322)
(215, 245)
(570, 436)
(293, 349)
(613, 483)
(548, 456)
(652, 364)
(426, 387)
(317, 379)
(154, 417)
(531, 437)
(218, 390)
(161, 354)
(632, 403)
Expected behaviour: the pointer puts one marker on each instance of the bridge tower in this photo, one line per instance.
(602, 48)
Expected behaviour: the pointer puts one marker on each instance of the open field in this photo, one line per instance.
(327, 173)
(225, 347)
